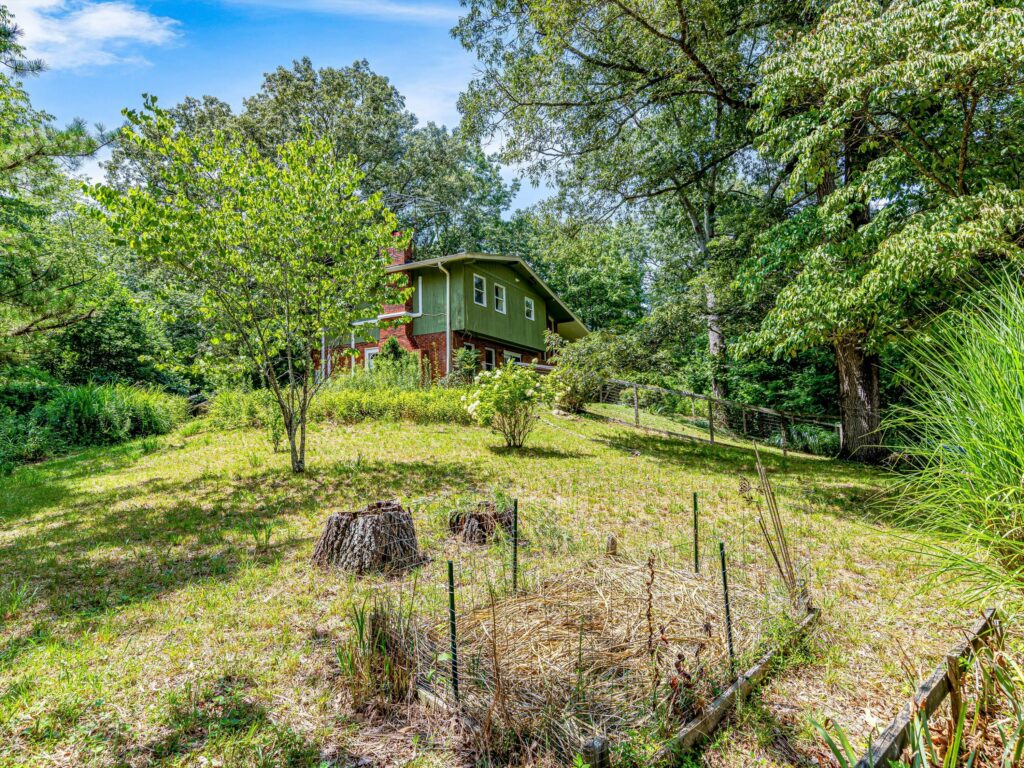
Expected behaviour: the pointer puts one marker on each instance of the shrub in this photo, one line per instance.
(507, 399)
(966, 424)
(24, 439)
(22, 388)
(581, 369)
(464, 368)
(809, 438)
(342, 405)
(105, 414)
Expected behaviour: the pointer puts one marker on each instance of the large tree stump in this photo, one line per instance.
(480, 524)
(379, 537)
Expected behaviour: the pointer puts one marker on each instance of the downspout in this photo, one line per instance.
(447, 319)
(352, 357)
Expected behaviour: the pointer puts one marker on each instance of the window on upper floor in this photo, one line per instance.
(499, 298)
(479, 291)
(529, 308)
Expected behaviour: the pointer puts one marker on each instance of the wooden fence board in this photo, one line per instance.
(928, 698)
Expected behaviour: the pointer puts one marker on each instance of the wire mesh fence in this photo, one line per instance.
(537, 634)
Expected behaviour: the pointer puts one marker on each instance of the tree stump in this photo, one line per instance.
(379, 537)
(479, 524)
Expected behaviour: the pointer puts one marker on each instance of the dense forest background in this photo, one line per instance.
(761, 201)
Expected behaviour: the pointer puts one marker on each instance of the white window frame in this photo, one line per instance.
(490, 358)
(500, 295)
(531, 313)
(512, 357)
(483, 290)
(368, 356)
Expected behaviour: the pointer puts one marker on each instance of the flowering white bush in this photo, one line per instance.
(506, 399)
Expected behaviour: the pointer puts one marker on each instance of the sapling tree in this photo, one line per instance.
(280, 249)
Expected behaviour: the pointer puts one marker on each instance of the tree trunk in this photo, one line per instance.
(378, 538)
(716, 346)
(859, 402)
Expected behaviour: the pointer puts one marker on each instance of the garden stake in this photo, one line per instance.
(696, 549)
(728, 614)
(451, 627)
(515, 546)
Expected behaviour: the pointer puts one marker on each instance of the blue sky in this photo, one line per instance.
(103, 54)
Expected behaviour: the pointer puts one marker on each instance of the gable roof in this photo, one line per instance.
(569, 325)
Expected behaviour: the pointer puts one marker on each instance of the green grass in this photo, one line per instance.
(158, 606)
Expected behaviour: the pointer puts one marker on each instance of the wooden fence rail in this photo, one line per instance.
(930, 695)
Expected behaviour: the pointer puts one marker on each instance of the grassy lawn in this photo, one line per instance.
(143, 624)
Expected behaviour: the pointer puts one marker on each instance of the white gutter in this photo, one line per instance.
(447, 317)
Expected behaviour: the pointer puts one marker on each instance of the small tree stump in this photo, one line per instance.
(611, 545)
(379, 537)
(480, 524)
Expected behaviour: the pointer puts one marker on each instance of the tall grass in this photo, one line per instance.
(102, 414)
(966, 430)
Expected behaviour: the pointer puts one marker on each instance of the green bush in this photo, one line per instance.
(23, 439)
(581, 369)
(103, 414)
(507, 400)
(22, 388)
(809, 438)
(342, 405)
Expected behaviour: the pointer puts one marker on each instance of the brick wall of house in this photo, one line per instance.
(432, 347)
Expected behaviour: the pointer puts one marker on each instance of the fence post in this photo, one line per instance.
(711, 420)
(728, 612)
(696, 547)
(955, 700)
(451, 629)
(744, 420)
(636, 405)
(515, 546)
(595, 752)
(783, 441)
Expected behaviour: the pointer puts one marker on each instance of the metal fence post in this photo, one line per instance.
(696, 544)
(515, 546)
(728, 613)
(451, 628)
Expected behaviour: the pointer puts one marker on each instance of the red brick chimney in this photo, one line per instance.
(400, 255)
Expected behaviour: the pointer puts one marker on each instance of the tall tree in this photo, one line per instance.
(904, 125)
(39, 276)
(441, 185)
(625, 103)
(281, 249)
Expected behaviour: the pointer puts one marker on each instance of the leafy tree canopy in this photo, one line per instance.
(281, 250)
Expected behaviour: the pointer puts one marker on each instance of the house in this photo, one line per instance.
(494, 304)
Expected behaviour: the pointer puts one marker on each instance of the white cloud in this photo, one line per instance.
(395, 10)
(68, 34)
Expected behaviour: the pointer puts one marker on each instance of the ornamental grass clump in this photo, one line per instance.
(964, 430)
(507, 399)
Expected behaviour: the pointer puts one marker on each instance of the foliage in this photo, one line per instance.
(965, 430)
(118, 343)
(375, 662)
(918, 102)
(596, 269)
(581, 368)
(22, 388)
(104, 414)
(38, 276)
(67, 417)
(506, 399)
(465, 363)
(442, 186)
(280, 249)
(340, 405)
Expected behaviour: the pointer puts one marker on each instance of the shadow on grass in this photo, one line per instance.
(224, 721)
(536, 452)
(842, 488)
(137, 541)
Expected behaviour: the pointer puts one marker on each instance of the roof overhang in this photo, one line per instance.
(569, 326)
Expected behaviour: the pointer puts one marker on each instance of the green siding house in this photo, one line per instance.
(495, 304)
